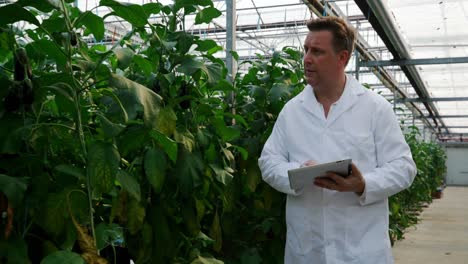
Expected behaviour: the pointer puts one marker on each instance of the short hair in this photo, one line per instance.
(343, 34)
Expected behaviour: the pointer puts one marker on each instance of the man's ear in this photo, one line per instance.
(343, 57)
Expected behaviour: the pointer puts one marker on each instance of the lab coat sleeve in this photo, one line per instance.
(395, 166)
(274, 161)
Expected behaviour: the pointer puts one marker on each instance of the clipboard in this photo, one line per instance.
(300, 177)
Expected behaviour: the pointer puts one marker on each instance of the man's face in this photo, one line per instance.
(322, 65)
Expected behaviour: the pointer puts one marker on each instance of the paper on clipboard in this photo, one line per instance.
(298, 178)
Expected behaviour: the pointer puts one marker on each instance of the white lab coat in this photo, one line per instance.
(329, 227)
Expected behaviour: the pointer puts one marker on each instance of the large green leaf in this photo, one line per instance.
(188, 170)
(169, 145)
(108, 234)
(253, 175)
(152, 8)
(43, 6)
(244, 153)
(13, 13)
(124, 57)
(189, 216)
(222, 175)
(10, 134)
(205, 45)
(225, 132)
(250, 256)
(136, 216)
(144, 64)
(166, 122)
(54, 24)
(257, 92)
(130, 184)
(13, 188)
(186, 139)
(71, 170)
(207, 15)
(216, 233)
(145, 98)
(206, 260)
(110, 129)
(190, 5)
(279, 92)
(64, 256)
(5, 41)
(133, 140)
(134, 14)
(191, 65)
(94, 23)
(56, 4)
(13, 251)
(50, 49)
(52, 215)
(184, 41)
(102, 164)
(155, 168)
(78, 202)
(201, 208)
(163, 233)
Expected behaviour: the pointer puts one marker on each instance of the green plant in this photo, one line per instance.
(406, 205)
(112, 147)
(253, 220)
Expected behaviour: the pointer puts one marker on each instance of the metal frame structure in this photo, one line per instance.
(381, 73)
(407, 62)
(383, 24)
(412, 101)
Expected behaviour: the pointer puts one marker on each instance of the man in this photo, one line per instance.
(334, 219)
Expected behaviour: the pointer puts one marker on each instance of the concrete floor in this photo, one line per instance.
(441, 236)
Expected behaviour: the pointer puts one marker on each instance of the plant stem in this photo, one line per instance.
(6, 69)
(88, 178)
(67, 17)
(115, 254)
(76, 97)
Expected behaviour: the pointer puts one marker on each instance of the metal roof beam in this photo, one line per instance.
(382, 20)
(453, 134)
(455, 144)
(434, 99)
(446, 116)
(381, 73)
(403, 62)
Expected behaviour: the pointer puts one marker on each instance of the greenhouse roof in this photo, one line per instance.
(416, 50)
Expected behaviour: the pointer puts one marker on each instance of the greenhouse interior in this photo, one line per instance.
(159, 131)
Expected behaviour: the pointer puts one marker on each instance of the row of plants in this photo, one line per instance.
(430, 159)
(143, 150)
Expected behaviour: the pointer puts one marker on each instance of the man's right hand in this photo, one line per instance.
(308, 163)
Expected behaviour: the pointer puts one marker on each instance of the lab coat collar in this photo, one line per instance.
(353, 89)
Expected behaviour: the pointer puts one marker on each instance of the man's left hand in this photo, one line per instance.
(353, 183)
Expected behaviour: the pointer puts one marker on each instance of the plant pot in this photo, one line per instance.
(437, 194)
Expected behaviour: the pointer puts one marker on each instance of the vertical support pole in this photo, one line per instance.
(231, 46)
(230, 38)
(394, 100)
(356, 54)
(424, 133)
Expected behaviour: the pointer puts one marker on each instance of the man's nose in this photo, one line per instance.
(307, 58)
